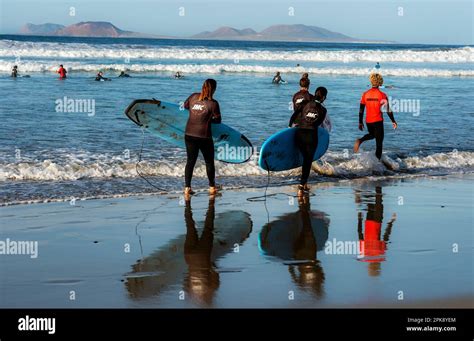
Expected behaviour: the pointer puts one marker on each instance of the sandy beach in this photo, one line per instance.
(413, 241)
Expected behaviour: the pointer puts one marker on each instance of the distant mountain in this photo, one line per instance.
(278, 33)
(272, 33)
(43, 29)
(92, 29)
(225, 31)
(82, 29)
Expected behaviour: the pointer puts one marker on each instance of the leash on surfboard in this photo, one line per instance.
(140, 160)
(265, 195)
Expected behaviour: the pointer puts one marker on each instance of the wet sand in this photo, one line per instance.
(367, 243)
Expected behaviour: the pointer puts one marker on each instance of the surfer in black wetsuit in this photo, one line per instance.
(301, 98)
(123, 74)
(100, 77)
(203, 110)
(277, 79)
(178, 75)
(306, 137)
(14, 71)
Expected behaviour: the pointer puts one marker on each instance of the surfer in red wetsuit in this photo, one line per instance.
(62, 72)
(371, 246)
(373, 100)
(203, 110)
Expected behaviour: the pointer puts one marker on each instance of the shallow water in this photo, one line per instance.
(163, 252)
(43, 151)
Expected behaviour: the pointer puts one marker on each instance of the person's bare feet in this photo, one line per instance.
(212, 190)
(356, 146)
(303, 190)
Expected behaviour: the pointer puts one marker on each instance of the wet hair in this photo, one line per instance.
(208, 88)
(376, 79)
(305, 75)
(304, 82)
(15, 67)
(61, 65)
(278, 73)
(321, 92)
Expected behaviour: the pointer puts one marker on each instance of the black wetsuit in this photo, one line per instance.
(198, 135)
(277, 80)
(375, 131)
(300, 99)
(99, 77)
(14, 73)
(306, 136)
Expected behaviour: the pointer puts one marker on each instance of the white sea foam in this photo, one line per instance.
(10, 48)
(45, 66)
(332, 164)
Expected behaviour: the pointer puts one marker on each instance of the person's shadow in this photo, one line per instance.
(190, 259)
(296, 238)
(372, 245)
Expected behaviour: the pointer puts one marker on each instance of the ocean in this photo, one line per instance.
(49, 153)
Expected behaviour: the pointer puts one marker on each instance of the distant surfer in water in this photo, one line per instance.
(277, 79)
(374, 100)
(178, 75)
(307, 121)
(203, 110)
(100, 77)
(62, 72)
(377, 66)
(123, 74)
(14, 71)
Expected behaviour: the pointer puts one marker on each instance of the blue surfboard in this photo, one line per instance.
(168, 122)
(280, 153)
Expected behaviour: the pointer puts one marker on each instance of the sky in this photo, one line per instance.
(404, 21)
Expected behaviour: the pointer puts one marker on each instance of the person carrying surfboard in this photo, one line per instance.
(62, 72)
(373, 100)
(203, 110)
(306, 136)
(302, 97)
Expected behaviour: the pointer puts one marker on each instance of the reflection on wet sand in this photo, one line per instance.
(371, 246)
(190, 258)
(296, 238)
